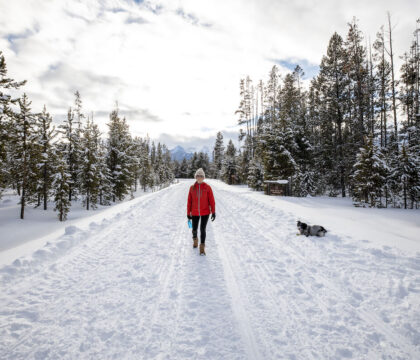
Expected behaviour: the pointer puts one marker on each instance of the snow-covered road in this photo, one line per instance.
(132, 287)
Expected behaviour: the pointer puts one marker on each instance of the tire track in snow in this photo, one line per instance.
(279, 307)
(240, 302)
(96, 256)
(368, 316)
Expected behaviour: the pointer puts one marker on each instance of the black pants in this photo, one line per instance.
(203, 224)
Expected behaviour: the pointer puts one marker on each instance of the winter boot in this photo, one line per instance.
(195, 239)
(202, 252)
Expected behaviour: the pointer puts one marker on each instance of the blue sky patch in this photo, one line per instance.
(309, 69)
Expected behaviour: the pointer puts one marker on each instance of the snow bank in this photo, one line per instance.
(41, 229)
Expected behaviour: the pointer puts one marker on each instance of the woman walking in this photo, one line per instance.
(200, 205)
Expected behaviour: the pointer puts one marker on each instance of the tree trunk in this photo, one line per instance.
(393, 79)
(22, 203)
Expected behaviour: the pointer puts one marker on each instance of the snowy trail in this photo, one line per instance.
(133, 287)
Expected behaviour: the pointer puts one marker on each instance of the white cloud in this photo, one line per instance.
(173, 66)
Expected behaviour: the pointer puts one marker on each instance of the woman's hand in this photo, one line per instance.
(189, 217)
(213, 216)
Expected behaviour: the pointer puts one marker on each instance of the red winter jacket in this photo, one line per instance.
(200, 200)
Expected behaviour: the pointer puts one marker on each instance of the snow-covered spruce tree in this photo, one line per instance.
(383, 83)
(407, 178)
(89, 167)
(61, 184)
(334, 88)
(218, 154)
(177, 169)
(244, 158)
(183, 169)
(368, 178)
(7, 115)
(202, 161)
(192, 165)
(78, 118)
(145, 167)
(119, 158)
(71, 151)
(159, 168)
(45, 135)
(136, 148)
(255, 178)
(277, 160)
(22, 159)
(357, 69)
(104, 175)
(168, 166)
(230, 168)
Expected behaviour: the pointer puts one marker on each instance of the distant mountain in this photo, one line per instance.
(179, 153)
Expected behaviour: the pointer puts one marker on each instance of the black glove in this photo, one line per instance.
(189, 217)
(213, 216)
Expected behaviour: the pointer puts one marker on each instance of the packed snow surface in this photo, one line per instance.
(130, 285)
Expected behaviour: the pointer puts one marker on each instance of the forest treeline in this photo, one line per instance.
(354, 132)
(70, 162)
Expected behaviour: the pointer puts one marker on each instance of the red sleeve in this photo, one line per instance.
(189, 203)
(211, 201)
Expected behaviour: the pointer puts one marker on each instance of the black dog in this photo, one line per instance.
(314, 230)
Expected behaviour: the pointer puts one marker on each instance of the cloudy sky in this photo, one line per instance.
(174, 65)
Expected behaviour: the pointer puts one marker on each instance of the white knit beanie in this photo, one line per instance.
(200, 171)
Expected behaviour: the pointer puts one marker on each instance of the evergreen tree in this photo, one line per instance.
(70, 151)
(89, 166)
(183, 169)
(218, 153)
(23, 140)
(334, 89)
(407, 176)
(369, 175)
(104, 175)
(45, 136)
(6, 119)
(383, 85)
(119, 157)
(357, 69)
(230, 168)
(61, 185)
(255, 178)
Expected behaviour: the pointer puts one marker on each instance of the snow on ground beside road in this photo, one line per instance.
(21, 237)
(131, 285)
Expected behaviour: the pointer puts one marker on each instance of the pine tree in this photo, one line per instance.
(23, 139)
(369, 175)
(358, 75)
(145, 167)
(383, 84)
(218, 153)
(335, 84)
(407, 176)
(104, 175)
(183, 169)
(255, 178)
(45, 136)
(6, 119)
(89, 167)
(70, 151)
(277, 159)
(230, 169)
(119, 158)
(61, 185)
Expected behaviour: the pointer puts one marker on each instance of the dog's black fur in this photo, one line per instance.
(314, 230)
